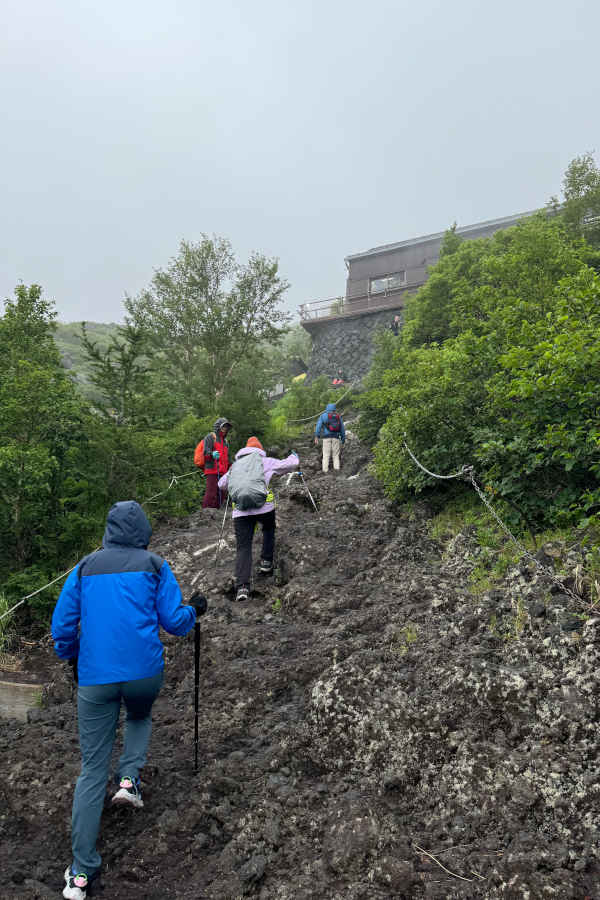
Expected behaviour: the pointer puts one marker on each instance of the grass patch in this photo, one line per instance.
(6, 631)
(492, 566)
(455, 516)
(495, 552)
(305, 402)
(403, 638)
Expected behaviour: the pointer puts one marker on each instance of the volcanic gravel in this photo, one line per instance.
(362, 711)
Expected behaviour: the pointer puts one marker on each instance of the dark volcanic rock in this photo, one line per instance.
(363, 704)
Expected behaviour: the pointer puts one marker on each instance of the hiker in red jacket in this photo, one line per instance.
(216, 462)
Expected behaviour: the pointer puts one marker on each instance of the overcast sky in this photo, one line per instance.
(305, 130)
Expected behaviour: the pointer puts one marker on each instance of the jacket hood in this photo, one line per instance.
(127, 526)
(246, 450)
(330, 407)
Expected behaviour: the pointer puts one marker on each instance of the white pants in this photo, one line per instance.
(331, 447)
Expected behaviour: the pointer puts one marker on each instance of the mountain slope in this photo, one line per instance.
(361, 709)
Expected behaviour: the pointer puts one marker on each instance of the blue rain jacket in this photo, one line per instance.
(111, 606)
(321, 429)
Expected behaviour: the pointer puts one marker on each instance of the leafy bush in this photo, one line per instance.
(511, 385)
(6, 624)
(303, 402)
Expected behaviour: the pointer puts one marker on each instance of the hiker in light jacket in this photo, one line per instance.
(106, 624)
(245, 520)
(330, 426)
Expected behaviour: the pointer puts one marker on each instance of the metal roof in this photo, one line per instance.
(465, 229)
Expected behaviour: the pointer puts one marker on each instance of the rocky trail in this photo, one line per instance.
(360, 716)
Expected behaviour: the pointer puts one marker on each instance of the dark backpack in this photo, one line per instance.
(334, 423)
(246, 482)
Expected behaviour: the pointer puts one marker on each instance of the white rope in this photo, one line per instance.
(175, 479)
(466, 470)
(33, 593)
(316, 416)
(467, 473)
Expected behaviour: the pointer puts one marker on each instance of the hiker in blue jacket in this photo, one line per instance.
(106, 623)
(330, 426)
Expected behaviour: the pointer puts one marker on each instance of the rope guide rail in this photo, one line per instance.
(175, 479)
(467, 472)
(316, 416)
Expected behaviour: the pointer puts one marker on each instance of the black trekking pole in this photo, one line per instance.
(199, 602)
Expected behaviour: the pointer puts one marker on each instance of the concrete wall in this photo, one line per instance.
(346, 343)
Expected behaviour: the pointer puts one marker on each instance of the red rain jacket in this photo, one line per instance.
(215, 466)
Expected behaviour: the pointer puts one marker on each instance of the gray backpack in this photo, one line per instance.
(246, 482)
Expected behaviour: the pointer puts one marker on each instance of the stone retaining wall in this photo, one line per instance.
(346, 343)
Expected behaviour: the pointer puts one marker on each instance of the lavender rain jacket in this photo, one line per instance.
(271, 467)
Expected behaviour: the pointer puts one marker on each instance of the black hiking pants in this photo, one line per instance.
(245, 527)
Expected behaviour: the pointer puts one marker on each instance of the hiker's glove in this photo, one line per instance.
(73, 663)
(216, 454)
(199, 603)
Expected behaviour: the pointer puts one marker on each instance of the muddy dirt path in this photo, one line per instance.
(357, 712)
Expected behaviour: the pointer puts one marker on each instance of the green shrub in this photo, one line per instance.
(6, 624)
(511, 387)
(303, 402)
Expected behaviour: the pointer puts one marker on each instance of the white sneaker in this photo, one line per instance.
(129, 793)
(76, 885)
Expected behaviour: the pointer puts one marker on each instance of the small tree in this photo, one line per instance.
(40, 421)
(27, 328)
(120, 372)
(206, 314)
(581, 190)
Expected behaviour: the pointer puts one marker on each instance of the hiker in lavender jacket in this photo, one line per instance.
(245, 520)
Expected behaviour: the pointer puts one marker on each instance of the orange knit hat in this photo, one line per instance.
(254, 442)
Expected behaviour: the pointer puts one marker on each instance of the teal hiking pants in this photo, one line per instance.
(98, 707)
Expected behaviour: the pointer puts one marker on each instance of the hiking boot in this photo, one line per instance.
(129, 793)
(76, 885)
(266, 567)
(243, 593)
